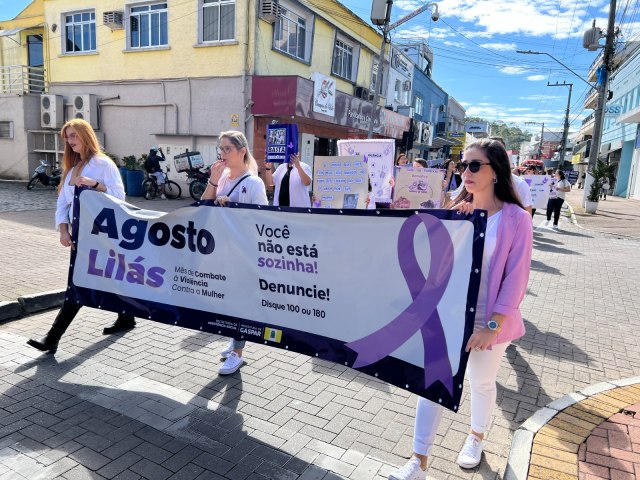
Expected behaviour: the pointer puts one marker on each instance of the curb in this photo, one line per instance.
(28, 304)
(519, 462)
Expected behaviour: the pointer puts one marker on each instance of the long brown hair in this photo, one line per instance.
(90, 146)
(501, 165)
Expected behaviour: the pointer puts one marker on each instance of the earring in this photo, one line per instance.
(495, 179)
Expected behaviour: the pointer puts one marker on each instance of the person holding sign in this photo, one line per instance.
(234, 178)
(291, 182)
(487, 185)
(83, 165)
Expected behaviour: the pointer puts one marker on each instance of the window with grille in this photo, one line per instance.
(290, 34)
(6, 130)
(218, 20)
(343, 59)
(80, 31)
(148, 26)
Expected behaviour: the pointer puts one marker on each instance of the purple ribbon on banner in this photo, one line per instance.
(422, 314)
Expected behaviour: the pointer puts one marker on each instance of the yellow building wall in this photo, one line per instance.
(12, 50)
(112, 61)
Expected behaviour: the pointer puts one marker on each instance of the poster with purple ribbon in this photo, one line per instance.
(297, 279)
(282, 142)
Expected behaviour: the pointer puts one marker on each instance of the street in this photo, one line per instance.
(149, 403)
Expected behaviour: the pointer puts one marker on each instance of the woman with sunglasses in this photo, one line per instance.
(487, 185)
(234, 178)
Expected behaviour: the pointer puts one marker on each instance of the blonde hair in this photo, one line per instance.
(90, 146)
(239, 141)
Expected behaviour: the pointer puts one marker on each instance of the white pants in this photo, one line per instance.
(482, 371)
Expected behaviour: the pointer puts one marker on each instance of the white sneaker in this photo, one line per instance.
(471, 452)
(163, 197)
(555, 228)
(228, 349)
(410, 471)
(231, 364)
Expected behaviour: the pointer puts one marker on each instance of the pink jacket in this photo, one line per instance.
(509, 271)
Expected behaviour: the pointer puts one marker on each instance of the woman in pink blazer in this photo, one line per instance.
(505, 274)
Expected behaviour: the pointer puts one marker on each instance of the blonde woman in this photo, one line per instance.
(83, 164)
(234, 178)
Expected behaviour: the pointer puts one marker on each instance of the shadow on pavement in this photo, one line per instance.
(543, 267)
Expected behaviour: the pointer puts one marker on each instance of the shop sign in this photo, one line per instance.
(324, 95)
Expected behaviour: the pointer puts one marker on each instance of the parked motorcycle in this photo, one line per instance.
(40, 175)
(197, 179)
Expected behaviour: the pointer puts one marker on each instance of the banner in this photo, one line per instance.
(539, 186)
(300, 279)
(340, 182)
(282, 142)
(418, 188)
(378, 154)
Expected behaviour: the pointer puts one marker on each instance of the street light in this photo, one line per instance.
(530, 52)
(380, 15)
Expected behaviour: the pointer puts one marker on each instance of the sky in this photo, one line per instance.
(475, 59)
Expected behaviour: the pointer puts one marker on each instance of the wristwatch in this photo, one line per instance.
(493, 326)
(96, 185)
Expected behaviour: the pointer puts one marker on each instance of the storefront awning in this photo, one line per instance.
(607, 148)
(11, 32)
(632, 116)
(439, 142)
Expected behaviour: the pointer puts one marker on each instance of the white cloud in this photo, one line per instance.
(502, 47)
(513, 70)
(453, 44)
(538, 98)
(536, 78)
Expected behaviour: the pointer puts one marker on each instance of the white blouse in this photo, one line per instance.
(99, 168)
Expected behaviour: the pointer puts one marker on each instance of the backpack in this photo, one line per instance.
(148, 166)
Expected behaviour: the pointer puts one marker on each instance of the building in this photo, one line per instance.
(175, 74)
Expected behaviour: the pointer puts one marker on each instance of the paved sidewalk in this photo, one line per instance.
(149, 403)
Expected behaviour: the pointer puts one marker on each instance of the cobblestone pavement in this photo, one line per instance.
(149, 403)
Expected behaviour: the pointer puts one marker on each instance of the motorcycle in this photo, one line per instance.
(197, 179)
(40, 175)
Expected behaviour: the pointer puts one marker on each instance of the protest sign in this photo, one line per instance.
(539, 186)
(418, 188)
(282, 142)
(300, 280)
(339, 182)
(378, 154)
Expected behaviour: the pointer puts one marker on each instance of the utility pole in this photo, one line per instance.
(565, 131)
(603, 88)
(383, 20)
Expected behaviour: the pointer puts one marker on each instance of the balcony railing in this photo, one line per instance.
(22, 79)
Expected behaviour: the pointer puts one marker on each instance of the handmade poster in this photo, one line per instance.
(378, 154)
(418, 188)
(299, 280)
(282, 142)
(340, 182)
(539, 186)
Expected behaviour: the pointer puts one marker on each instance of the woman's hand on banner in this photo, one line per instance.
(481, 340)
(65, 239)
(465, 208)
(222, 200)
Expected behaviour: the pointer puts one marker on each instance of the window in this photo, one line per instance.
(148, 26)
(80, 32)
(397, 90)
(6, 130)
(418, 104)
(290, 34)
(218, 20)
(345, 58)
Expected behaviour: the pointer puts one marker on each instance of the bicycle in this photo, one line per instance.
(151, 188)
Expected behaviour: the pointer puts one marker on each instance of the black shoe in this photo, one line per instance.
(118, 326)
(43, 344)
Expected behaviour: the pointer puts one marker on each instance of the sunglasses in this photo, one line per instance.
(473, 165)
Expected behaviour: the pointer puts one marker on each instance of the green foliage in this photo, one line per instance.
(131, 162)
(599, 172)
(512, 134)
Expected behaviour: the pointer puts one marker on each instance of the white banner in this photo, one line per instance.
(539, 185)
(300, 280)
(378, 154)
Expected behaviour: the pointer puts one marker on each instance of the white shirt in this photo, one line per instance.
(251, 190)
(523, 190)
(298, 191)
(99, 168)
(490, 240)
(562, 184)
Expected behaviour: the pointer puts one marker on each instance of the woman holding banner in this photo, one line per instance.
(487, 185)
(234, 178)
(83, 165)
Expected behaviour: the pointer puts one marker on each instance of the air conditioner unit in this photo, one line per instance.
(406, 86)
(425, 133)
(443, 108)
(406, 110)
(51, 111)
(269, 10)
(86, 107)
(363, 93)
(113, 20)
